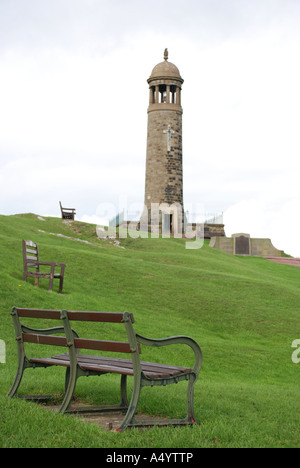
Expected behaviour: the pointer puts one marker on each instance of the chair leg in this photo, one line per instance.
(51, 284)
(51, 278)
(61, 283)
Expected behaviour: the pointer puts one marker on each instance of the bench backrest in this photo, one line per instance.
(29, 335)
(30, 252)
(67, 213)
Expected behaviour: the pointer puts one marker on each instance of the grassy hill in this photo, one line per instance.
(244, 313)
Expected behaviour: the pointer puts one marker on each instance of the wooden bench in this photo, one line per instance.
(67, 213)
(77, 365)
(31, 264)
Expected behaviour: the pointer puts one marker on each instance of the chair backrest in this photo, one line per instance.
(30, 252)
(30, 335)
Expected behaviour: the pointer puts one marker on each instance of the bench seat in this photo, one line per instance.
(115, 366)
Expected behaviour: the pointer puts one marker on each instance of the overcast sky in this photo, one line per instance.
(74, 98)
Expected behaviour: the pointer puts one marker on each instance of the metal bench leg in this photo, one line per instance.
(22, 359)
(129, 417)
(70, 384)
(124, 400)
(190, 403)
(18, 378)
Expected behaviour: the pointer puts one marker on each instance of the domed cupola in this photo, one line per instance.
(165, 83)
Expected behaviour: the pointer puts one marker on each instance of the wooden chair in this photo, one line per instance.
(67, 213)
(32, 266)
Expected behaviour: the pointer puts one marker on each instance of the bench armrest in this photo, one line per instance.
(37, 262)
(172, 340)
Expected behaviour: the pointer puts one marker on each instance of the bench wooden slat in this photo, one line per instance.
(99, 345)
(37, 313)
(50, 362)
(112, 317)
(31, 257)
(84, 316)
(44, 339)
(107, 369)
(30, 251)
(31, 244)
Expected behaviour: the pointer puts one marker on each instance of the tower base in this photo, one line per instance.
(163, 219)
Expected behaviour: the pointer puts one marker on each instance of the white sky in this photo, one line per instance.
(74, 98)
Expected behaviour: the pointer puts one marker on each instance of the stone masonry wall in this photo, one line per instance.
(164, 178)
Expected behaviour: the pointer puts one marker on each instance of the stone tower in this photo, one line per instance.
(164, 179)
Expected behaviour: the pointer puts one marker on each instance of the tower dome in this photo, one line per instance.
(165, 85)
(165, 70)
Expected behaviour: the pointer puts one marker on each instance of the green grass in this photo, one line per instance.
(244, 312)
